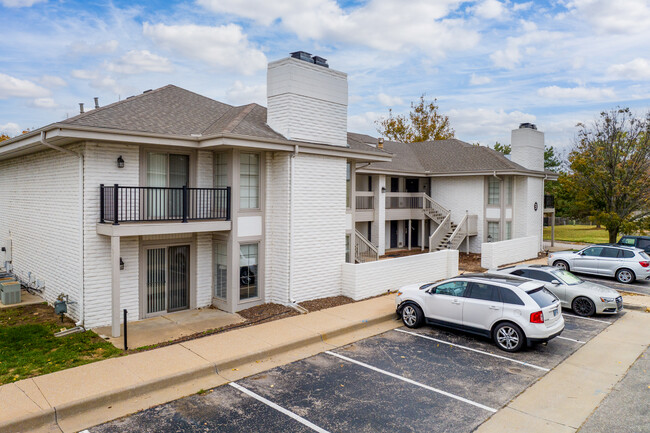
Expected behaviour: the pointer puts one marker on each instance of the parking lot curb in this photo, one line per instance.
(636, 307)
(51, 417)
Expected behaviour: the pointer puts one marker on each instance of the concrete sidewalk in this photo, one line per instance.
(562, 400)
(77, 398)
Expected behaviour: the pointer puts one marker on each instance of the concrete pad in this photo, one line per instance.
(146, 332)
(364, 310)
(20, 405)
(204, 319)
(26, 298)
(567, 396)
(170, 360)
(321, 322)
(85, 381)
(611, 356)
(281, 332)
(31, 390)
(517, 421)
(224, 347)
(631, 328)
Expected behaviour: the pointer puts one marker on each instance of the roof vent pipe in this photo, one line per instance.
(380, 143)
(96, 102)
(527, 125)
(81, 108)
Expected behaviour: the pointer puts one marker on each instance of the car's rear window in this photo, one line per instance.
(627, 254)
(644, 255)
(542, 296)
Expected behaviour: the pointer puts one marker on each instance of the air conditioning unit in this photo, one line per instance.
(10, 292)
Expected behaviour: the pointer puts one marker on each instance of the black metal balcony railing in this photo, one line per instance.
(549, 202)
(146, 203)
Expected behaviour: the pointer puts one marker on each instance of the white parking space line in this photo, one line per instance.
(278, 408)
(571, 339)
(412, 382)
(587, 318)
(473, 350)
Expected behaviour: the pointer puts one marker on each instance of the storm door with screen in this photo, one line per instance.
(167, 174)
(168, 282)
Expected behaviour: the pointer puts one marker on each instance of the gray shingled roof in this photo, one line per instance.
(175, 111)
(441, 157)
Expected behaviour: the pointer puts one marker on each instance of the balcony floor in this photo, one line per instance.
(161, 228)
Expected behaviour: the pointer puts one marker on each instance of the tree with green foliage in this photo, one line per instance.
(423, 123)
(610, 171)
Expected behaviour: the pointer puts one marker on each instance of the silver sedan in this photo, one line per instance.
(583, 297)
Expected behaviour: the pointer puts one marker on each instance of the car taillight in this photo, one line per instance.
(537, 317)
(644, 264)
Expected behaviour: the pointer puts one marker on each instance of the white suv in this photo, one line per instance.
(510, 310)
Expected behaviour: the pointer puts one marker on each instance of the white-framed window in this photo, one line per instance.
(220, 170)
(508, 230)
(248, 276)
(509, 187)
(249, 181)
(348, 185)
(220, 269)
(494, 233)
(494, 190)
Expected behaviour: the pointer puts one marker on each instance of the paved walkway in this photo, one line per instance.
(77, 398)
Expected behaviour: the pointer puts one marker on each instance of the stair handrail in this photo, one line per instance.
(369, 253)
(440, 232)
(462, 225)
(429, 203)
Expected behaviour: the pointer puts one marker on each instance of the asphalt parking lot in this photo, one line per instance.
(427, 379)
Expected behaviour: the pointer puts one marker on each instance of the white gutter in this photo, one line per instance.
(79, 155)
(495, 175)
(291, 209)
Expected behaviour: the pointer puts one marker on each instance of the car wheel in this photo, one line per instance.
(561, 264)
(625, 276)
(509, 337)
(583, 306)
(412, 316)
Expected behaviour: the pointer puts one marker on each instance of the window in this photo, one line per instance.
(644, 244)
(347, 249)
(611, 253)
(508, 230)
(592, 252)
(454, 288)
(220, 170)
(567, 277)
(220, 271)
(627, 254)
(494, 187)
(540, 276)
(493, 231)
(249, 181)
(627, 241)
(543, 297)
(248, 258)
(509, 188)
(484, 292)
(518, 272)
(348, 184)
(510, 297)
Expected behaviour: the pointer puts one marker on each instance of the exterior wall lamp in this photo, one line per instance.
(121, 264)
(383, 189)
(120, 162)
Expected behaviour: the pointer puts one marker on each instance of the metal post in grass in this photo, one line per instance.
(125, 346)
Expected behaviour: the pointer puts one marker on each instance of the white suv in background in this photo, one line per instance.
(512, 311)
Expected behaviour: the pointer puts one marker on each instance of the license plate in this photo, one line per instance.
(555, 312)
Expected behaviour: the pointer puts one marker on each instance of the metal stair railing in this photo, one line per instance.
(443, 229)
(433, 209)
(364, 250)
(459, 234)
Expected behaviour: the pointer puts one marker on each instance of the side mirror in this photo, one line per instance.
(555, 282)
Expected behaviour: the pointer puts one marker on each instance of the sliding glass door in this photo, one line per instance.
(166, 170)
(168, 282)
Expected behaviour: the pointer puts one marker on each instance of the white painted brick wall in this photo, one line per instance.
(319, 226)
(203, 269)
(100, 167)
(277, 228)
(39, 206)
(459, 194)
(495, 254)
(374, 278)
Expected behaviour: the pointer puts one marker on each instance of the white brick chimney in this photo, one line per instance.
(528, 147)
(308, 101)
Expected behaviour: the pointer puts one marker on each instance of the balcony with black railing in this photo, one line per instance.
(133, 204)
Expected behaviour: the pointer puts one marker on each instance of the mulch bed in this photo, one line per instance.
(470, 262)
(321, 304)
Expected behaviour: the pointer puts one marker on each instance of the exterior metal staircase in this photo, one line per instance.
(364, 250)
(448, 235)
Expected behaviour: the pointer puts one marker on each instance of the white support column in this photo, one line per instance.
(408, 232)
(380, 213)
(115, 285)
(422, 235)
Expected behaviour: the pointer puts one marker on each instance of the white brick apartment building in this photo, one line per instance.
(169, 200)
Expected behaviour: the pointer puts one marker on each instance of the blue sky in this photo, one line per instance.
(490, 63)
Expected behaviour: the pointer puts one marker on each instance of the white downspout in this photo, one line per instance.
(79, 155)
(291, 211)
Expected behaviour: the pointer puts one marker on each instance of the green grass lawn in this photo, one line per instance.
(578, 233)
(29, 348)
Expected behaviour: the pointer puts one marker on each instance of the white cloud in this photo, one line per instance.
(364, 123)
(44, 103)
(385, 25)
(607, 16)
(225, 46)
(490, 9)
(10, 129)
(52, 81)
(512, 55)
(99, 81)
(389, 101)
(478, 80)
(15, 87)
(578, 93)
(522, 6)
(483, 122)
(637, 69)
(138, 61)
(84, 48)
(240, 94)
(20, 3)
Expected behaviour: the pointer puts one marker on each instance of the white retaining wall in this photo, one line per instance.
(374, 278)
(495, 254)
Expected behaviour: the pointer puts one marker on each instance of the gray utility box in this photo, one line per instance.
(10, 292)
